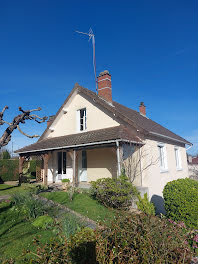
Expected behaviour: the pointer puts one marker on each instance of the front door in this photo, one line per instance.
(82, 166)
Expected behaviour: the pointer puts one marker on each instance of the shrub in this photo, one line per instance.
(43, 222)
(30, 207)
(6, 154)
(116, 193)
(82, 247)
(65, 180)
(180, 197)
(142, 239)
(9, 170)
(145, 205)
(70, 225)
(130, 239)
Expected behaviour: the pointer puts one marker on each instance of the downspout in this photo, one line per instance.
(118, 157)
(140, 167)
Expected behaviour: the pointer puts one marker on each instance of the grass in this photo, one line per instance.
(16, 233)
(9, 189)
(84, 204)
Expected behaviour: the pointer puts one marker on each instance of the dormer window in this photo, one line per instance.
(81, 119)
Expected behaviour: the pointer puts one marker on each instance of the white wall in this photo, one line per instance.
(152, 177)
(66, 124)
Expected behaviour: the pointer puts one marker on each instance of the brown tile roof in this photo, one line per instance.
(195, 160)
(134, 118)
(128, 115)
(95, 136)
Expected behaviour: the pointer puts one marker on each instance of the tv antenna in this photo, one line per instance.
(92, 37)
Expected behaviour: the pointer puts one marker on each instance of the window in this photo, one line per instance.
(178, 158)
(81, 119)
(84, 159)
(162, 157)
(62, 157)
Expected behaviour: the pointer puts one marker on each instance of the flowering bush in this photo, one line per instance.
(116, 193)
(130, 239)
(142, 239)
(180, 198)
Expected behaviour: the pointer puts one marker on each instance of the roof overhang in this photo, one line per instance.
(81, 145)
(173, 139)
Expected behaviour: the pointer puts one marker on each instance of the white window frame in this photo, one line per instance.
(78, 120)
(162, 157)
(178, 158)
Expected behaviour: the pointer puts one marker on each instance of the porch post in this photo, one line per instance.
(46, 158)
(118, 157)
(74, 167)
(21, 161)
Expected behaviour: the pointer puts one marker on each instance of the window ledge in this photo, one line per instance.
(179, 169)
(164, 170)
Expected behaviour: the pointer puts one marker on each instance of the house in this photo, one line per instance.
(193, 167)
(93, 137)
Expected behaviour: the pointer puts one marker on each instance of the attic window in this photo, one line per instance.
(81, 119)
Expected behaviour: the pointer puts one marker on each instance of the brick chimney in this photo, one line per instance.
(142, 109)
(104, 86)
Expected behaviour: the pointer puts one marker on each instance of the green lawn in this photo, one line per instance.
(9, 189)
(16, 234)
(83, 204)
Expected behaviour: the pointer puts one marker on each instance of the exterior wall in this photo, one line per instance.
(152, 177)
(101, 163)
(66, 124)
(131, 163)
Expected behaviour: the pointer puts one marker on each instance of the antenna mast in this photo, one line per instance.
(92, 37)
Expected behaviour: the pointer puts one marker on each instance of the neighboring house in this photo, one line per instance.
(193, 167)
(93, 137)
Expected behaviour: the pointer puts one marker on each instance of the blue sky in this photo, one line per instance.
(149, 47)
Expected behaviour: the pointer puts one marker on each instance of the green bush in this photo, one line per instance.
(65, 180)
(145, 205)
(27, 205)
(142, 239)
(43, 222)
(6, 154)
(9, 169)
(116, 193)
(130, 239)
(181, 198)
(70, 225)
(82, 246)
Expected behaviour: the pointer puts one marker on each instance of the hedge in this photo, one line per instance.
(9, 170)
(181, 201)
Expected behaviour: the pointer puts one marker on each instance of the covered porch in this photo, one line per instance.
(81, 157)
(79, 165)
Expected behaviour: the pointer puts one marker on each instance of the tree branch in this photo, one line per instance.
(20, 119)
(33, 136)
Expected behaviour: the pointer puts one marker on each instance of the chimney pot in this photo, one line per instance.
(104, 86)
(142, 108)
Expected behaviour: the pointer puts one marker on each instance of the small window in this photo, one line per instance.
(178, 158)
(162, 157)
(82, 119)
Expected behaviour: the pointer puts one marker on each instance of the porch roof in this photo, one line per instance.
(95, 137)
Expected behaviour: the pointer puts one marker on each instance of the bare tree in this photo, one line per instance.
(136, 160)
(19, 119)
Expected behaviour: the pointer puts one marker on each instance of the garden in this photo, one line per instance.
(33, 231)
